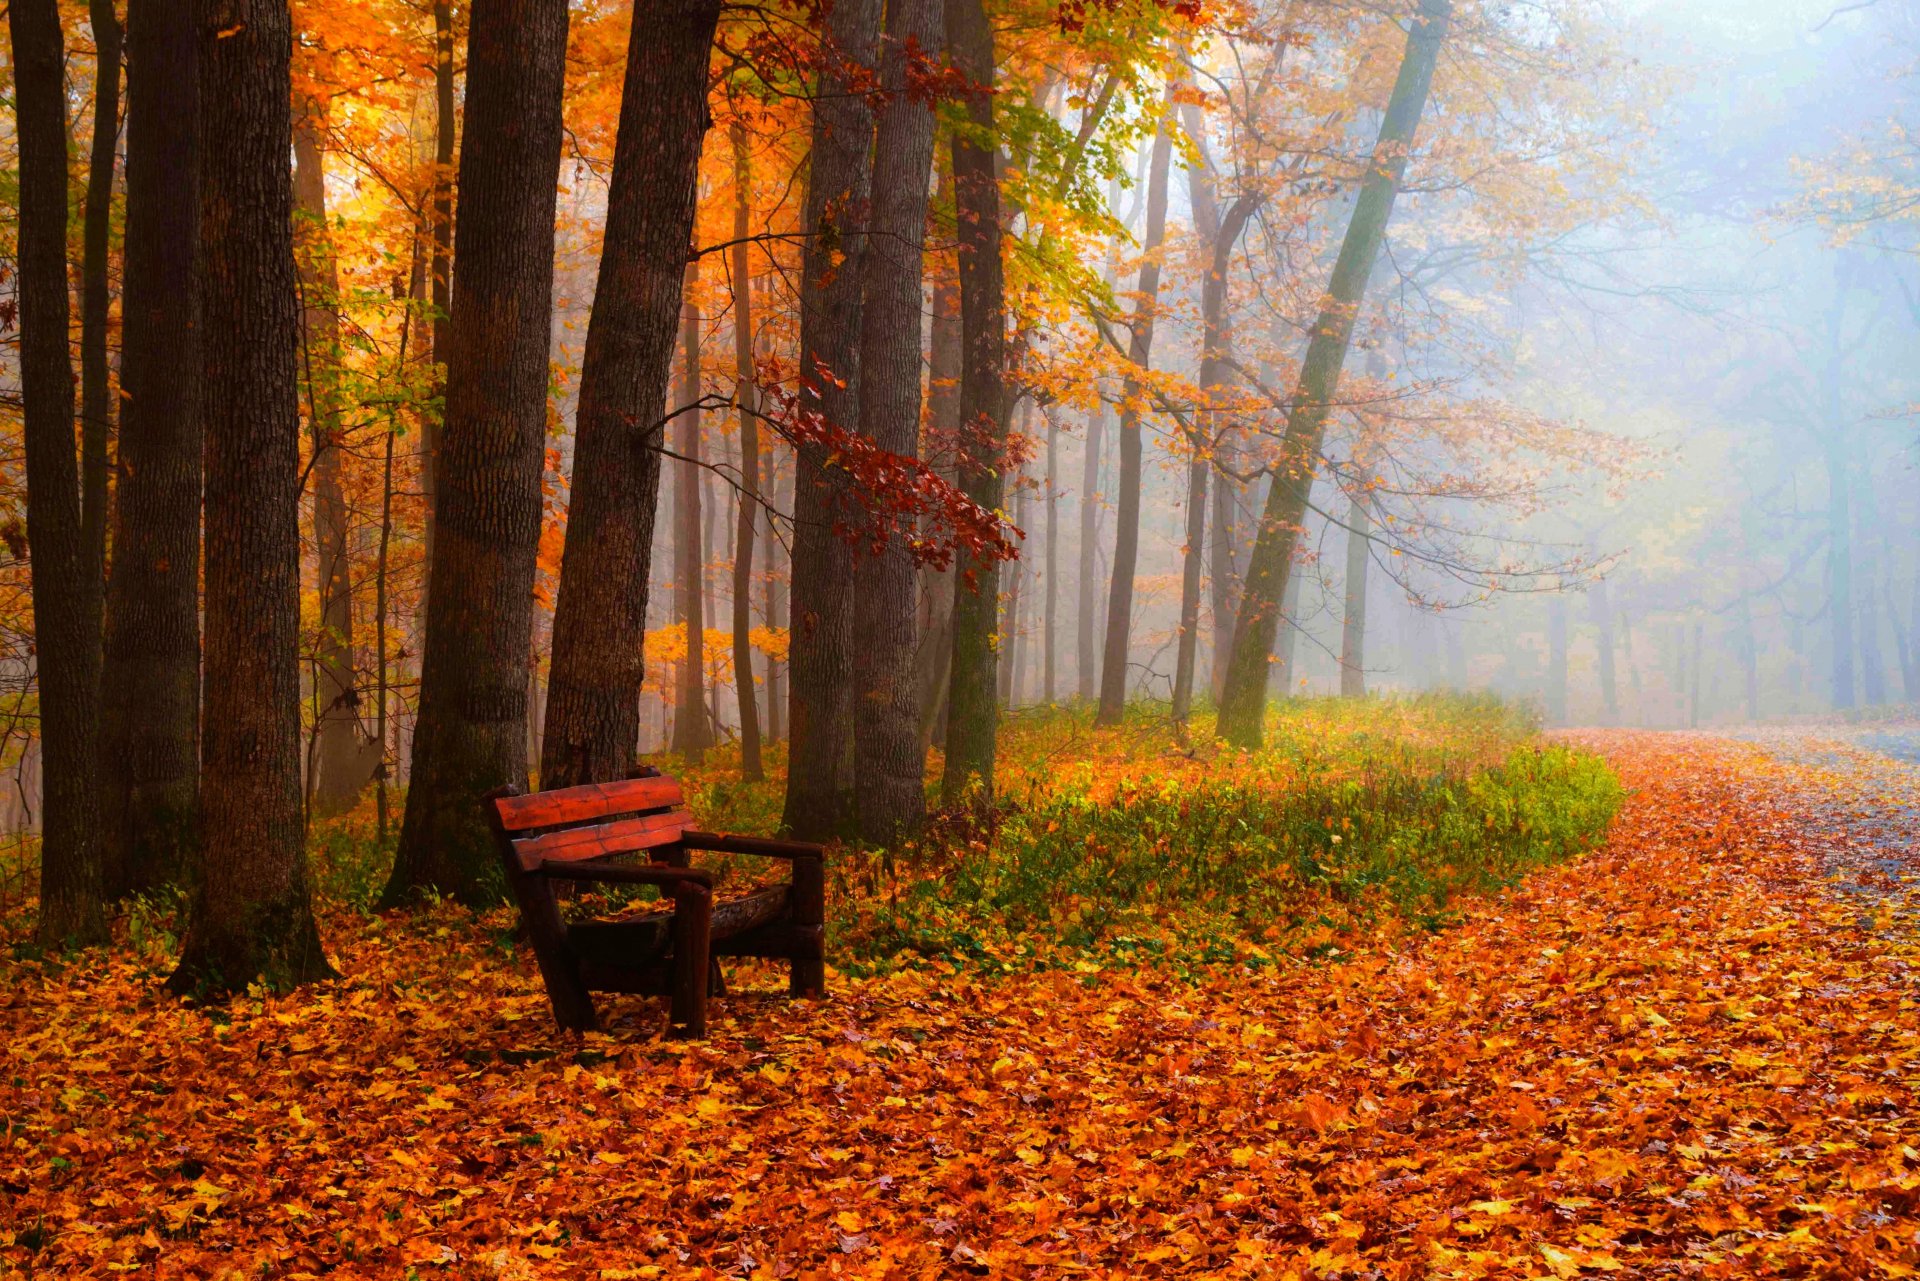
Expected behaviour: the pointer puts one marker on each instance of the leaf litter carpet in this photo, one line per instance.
(1691, 1053)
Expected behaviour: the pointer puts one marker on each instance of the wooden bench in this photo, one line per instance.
(576, 834)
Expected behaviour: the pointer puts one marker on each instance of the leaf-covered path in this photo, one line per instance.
(1687, 1054)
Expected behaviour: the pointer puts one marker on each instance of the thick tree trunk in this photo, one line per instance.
(66, 583)
(972, 717)
(1126, 538)
(1243, 698)
(1086, 612)
(943, 421)
(341, 764)
(471, 731)
(820, 760)
(746, 396)
(250, 918)
(1353, 617)
(150, 680)
(96, 296)
(692, 731)
(890, 769)
(600, 616)
(1052, 572)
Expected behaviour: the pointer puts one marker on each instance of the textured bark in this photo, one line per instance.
(341, 765)
(747, 398)
(471, 731)
(820, 758)
(250, 918)
(943, 420)
(150, 679)
(972, 716)
(1243, 697)
(96, 296)
(600, 616)
(782, 487)
(889, 768)
(1353, 615)
(1126, 536)
(692, 734)
(440, 257)
(66, 584)
(1020, 600)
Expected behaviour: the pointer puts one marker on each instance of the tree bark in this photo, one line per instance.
(1053, 560)
(343, 768)
(1126, 536)
(820, 759)
(889, 768)
(746, 396)
(692, 733)
(250, 918)
(1244, 696)
(96, 297)
(1086, 664)
(600, 615)
(470, 734)
(972, 717)
(66, 585)
(1353, 617)
(150, 678)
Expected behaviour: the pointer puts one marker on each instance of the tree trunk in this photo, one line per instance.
(470, 734)
(600, 616)
(1126, 538)
(96, 297)
(1601, 606)
(972, 717)
(1052, 501)
(150, 680)
(943, 422)
(440, 265)
(890, 769)
(782, 489)
(1557, 659)
(1353, 618)
(342, 767)
(1015, 629)
(1086, 664)
(746, 395)
(692, 733)
(66, 585)
(820, 758)
(250, 918)
(1243, 698)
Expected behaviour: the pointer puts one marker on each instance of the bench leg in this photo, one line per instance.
(808, 976)
(692, 956)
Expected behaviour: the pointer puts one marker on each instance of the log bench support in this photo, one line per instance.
(577, 833)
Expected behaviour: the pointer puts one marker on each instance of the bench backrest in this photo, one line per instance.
(571, 824)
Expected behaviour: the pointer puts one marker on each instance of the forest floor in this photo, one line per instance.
(1690, 1052)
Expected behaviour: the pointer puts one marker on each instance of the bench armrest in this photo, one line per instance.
(766, 847)
(652, 874)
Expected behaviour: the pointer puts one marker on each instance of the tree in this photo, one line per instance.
(820, 755)
(972, 717)
(471, 731)
(66, 585)
(96, 292)
(890, 770)
(600, 617)
(747, 400)
(249, 919)
(692, 735)
(1244, 697)
(1126, 536)
(150, 678)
